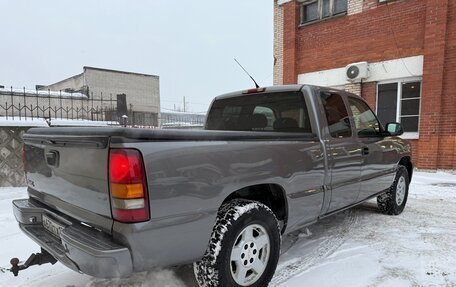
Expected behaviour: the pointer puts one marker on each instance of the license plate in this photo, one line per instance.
(52, 226)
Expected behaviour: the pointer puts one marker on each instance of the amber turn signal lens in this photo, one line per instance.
(127, 191)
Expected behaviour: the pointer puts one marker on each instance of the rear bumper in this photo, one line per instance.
(79, 247)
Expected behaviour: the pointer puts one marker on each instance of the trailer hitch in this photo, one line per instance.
(34, 259)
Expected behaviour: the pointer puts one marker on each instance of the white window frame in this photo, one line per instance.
(320, 11)
(405, 135)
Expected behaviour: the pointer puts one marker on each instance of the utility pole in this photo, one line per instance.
(184, 104)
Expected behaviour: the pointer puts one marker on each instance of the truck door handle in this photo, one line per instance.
(365, 150)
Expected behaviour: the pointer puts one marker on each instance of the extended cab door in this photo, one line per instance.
(379, 152)
(344, 155)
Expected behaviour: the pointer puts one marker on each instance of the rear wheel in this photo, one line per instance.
(244, 247)
(393, 202)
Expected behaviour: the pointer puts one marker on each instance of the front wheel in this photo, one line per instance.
(393, 201)
(244, 247)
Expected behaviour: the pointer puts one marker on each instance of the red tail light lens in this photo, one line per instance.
(125, 166)
(128, 188)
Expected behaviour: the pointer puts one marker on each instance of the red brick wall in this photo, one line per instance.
(401, 28)
(447, 144)
(372, 4)
(433, 77)
(366, 36)
(369, 94)
(291, 21)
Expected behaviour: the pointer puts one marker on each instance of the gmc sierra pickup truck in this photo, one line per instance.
(112, 201)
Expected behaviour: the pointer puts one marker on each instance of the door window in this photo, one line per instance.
(336, 115)
(366, 123)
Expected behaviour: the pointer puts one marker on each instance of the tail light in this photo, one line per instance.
(128, 188)
(254, 91)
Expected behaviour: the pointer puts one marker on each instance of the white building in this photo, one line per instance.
(142, 91)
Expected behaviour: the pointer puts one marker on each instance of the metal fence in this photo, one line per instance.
(23, 104)
(170, 120)
(35, 104)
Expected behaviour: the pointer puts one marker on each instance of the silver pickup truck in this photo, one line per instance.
(112, 201)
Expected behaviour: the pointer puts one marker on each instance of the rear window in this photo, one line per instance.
(275, 112)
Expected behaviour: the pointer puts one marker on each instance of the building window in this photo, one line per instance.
(400, 102)
(321, 9)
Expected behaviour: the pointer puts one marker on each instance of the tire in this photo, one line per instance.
(393, 201)
(244, 247)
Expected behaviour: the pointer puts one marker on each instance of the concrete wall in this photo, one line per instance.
(143, 91)
(11, 167)
(75, 83)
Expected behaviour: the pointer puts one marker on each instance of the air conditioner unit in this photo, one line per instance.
(357, 71)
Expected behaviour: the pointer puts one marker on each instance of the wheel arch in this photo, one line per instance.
(407, 163)
(271, 195)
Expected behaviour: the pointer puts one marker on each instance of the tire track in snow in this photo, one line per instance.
(334, 233)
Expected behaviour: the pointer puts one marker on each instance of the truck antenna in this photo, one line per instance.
(256, 84)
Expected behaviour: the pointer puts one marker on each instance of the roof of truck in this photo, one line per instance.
(278, 89)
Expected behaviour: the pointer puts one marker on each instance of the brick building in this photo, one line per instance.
(404, 53)
(142, 91)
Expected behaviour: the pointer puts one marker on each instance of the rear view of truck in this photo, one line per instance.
(78, 187)
(109, 202)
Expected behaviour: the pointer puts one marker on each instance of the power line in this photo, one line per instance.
(193, 103)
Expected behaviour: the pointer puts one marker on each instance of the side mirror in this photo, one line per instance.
(395, 129)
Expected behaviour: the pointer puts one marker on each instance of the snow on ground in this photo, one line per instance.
(359, 247)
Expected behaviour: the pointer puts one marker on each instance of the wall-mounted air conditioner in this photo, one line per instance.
(357, 71)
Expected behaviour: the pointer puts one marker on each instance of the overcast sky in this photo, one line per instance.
(189, 44)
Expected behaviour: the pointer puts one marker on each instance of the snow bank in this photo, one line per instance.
(45, 94)
(39, 122)
(78, 123)
(23, 122)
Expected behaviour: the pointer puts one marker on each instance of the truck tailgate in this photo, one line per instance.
(70, 174)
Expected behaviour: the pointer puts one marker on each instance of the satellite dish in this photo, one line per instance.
(352, 72)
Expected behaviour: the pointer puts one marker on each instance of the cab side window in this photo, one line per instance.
(336, 115)
(366, 123)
